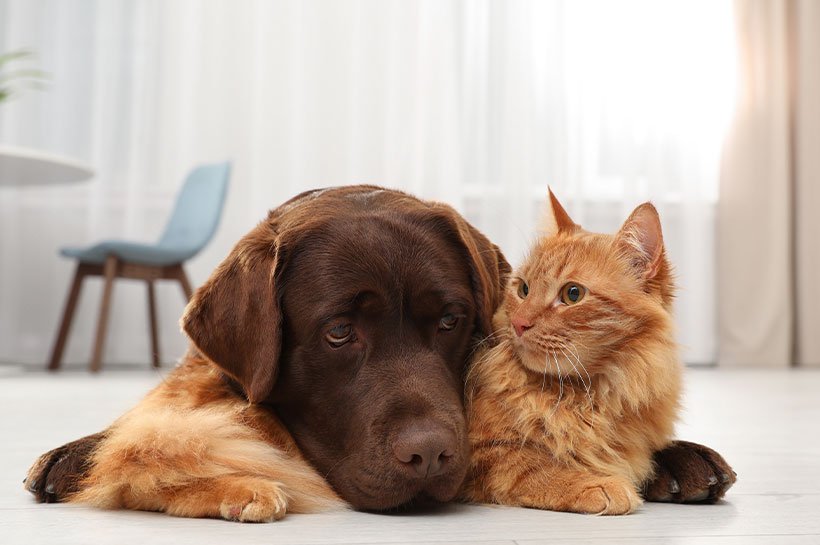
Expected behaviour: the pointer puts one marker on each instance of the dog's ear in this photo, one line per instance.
(235, 318)
(489, 270)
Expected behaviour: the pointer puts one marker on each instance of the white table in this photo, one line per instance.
(30, 167)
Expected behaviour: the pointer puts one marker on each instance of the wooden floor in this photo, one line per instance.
(767, 424)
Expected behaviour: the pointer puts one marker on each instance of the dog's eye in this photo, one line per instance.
(448, 322)
(339, 335)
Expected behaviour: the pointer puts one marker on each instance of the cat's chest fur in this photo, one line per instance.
(598, 429)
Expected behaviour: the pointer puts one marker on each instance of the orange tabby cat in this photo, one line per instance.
(583, 383)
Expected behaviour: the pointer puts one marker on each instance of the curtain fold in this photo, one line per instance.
(768, 250)
(807, 177)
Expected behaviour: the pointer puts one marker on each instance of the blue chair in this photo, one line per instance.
(192, 225)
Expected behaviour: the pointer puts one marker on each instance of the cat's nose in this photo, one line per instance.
(520, 325)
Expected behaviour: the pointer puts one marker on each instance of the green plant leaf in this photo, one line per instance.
(23, 78)
(22, 74)
(12, 55)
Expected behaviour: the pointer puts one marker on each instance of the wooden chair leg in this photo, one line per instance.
(152, 319)
(186, 285)
(68, 315)
(109, 273)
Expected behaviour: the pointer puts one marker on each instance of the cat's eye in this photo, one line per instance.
(339, 335)
(572, 293)
(448, 322)
(523, 289)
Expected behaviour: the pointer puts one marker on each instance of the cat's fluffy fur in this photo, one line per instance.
(566, 415)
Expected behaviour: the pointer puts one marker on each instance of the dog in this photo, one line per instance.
(326, 371)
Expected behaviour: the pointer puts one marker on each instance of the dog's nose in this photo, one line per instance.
(426, 452)
(520, 325)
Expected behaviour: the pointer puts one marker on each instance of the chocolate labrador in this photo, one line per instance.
(326, 369)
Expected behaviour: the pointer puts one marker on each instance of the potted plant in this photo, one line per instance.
(13, 80)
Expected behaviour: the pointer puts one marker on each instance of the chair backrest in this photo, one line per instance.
(198, 209)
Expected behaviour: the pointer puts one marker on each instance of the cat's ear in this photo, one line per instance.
(556, 220)
(642, 239)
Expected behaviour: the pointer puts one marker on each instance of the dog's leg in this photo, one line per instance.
(58, 473)
(689, 473)
(200, 463)
(191, 448)
(243, 498)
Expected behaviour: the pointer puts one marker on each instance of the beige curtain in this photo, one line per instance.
(769, 206)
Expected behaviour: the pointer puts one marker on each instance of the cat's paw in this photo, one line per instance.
(689, 473)
(57, 474)
(265, 502)
(607, 496)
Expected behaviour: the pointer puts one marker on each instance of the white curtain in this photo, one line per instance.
(477, 103)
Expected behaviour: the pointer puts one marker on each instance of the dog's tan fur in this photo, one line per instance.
(194, 448)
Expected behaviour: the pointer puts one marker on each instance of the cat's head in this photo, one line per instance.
(584, 297)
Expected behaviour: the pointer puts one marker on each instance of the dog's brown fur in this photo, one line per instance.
(261, 419)
(265, 401)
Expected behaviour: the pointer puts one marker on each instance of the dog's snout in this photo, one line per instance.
(426, 453)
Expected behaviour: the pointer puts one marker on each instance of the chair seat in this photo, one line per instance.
(131, 252)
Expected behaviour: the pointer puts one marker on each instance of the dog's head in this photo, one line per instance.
(353, 312)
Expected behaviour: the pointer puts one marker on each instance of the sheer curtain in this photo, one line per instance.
(480, 104)
(769, 296)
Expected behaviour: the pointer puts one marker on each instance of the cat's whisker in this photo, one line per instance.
(546, 364)
(570, 356)
(577, 372)
(587, 386)
(473, 369)
(481, 342)
(560, 380)
(571, 346)
(590, 395)
(573, 350)
(555, 405)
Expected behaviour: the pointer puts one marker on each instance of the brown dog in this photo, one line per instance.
(327, 367)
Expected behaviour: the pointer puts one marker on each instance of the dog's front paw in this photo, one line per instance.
(263, 502)
(606, 496)
(58, 473)
(689, 473)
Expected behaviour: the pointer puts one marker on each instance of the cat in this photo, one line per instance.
(582, 381)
